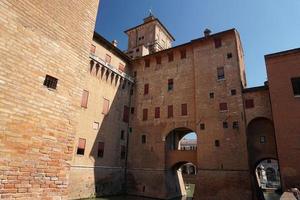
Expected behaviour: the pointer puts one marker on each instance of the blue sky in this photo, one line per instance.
(265, 26)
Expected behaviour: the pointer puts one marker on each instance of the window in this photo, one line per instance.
(131, 91)
(157, 112)
(93, 49)
(121, 67)
(144, 139)
(183, 54)
(105, 106)
(233, 92)
(202, 126)
(84, 98)
(107, 58)
(100, 152)
(225, 124)
(220, 73)
(211, 95)
(123, 152)
(183, 109)
(132, 110)
(235, 125)
(50, 82)
(96, 125)
(170, 84)
(134, 74)
(146, 89)
(158, 60)
(223, 106)
(217, 143)
(170, 56)
(81, 146)
(229, 55)
(218, 42)
(170, 111)
(249, 103)
(147, 63)
(126, 114)
(145, 114)
(262, 139)
(296, 86)
(122, 134)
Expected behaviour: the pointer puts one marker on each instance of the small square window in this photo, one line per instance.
(249, 103)
(229, 55)
(296, 85)
(262, 139)
(211, 95)
(223, 107)
(235, 125)
(50, 82)
(96, 125)
(225, 124)
(217, 143)
(144, 139)
(202, 126)
(233, 92)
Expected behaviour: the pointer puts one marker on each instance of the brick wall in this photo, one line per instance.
(37, 125)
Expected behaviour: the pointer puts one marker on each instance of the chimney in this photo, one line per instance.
(115, 43)
(207, 32)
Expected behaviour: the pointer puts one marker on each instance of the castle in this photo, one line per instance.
(80, 118)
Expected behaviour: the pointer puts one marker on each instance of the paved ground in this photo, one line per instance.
(271, 196)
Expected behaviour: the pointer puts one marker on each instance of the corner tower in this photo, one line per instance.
(149, 37)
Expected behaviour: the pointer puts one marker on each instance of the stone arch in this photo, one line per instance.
(174, 136)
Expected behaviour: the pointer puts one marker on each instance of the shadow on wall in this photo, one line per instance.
(109, 148)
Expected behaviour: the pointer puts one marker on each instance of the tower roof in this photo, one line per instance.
(150, 19)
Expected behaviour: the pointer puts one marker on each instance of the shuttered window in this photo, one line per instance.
(93, 49)
(147, 63)
(183, 54)
(223, 106)
(121, 67)
(158, 60)
(157, 112)
(249, 103)
(100, 152)
(81, 146)
(184, 109)
(84, 98)
(218, 42)
(123, 151)
(126, 114)
(170, 56)
(107, 58)
(105, 106)
(170, 111)
(145, 114)
(146, 89)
